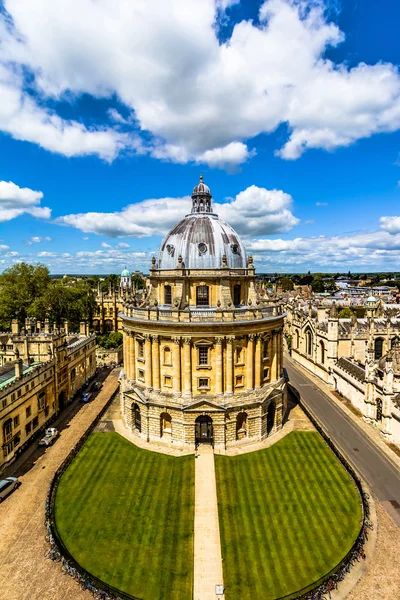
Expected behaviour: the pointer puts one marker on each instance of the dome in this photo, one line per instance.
(371, 299)
(125, 273)
(202, 239)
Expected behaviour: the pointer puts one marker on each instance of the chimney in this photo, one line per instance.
(82, 329)
(15, 326)
(46, 326)
(38, 327)
(28, 326)
(87, 329)
(18, 365)
(66, 327)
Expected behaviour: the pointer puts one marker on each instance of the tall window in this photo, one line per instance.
(378, 348)
(309, 342)
(202, 295)
(236, 294)
(167, 294)
(167, 356)
(140, 349)
(203, 355)
(137, 418)
(41, 399)
(322, 352)
(265, 349)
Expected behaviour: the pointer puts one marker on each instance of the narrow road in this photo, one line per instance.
(381, 475)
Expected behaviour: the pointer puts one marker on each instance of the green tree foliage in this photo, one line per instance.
(28, 291)
(306, 280)
(138, 281)
(286, 283)
(318, 285)
(110, 340)
(346, 313)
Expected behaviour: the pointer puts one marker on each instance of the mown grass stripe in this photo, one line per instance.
(300, 517)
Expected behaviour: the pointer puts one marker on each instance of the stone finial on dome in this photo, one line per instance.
(201, 198)
(333, 313)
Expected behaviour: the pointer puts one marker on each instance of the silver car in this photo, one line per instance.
(7, 485)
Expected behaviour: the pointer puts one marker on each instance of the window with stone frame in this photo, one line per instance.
(168, 381)
(28, 427)
(41, 400)
(239, 381)
(16, 420)
(28, 411)
(140, 348)
(167, 294)
(239, 355)
(167, 356)
(203, 355)
(265, 350)
(202, 295)
(140, 375)
(204, 383)
(266, 374)
(35, 422)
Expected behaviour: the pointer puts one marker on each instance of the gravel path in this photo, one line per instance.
(25, 573)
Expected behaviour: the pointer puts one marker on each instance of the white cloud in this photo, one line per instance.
(104, 245)
(255, 211)
(85, 238)
(194, 98)
(321, 204)
(123, 245)
(15, 201)
(37, 240)
(390, 224)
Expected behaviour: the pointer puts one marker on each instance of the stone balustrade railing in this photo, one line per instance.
(199, 315)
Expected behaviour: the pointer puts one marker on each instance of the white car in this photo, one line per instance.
(50, 436)
(7, 485)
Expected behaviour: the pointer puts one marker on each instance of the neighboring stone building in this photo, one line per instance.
(110, 303)
(202, 352)
(41, 370)
(358, 357)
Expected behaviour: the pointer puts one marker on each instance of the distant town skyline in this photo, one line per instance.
(110, 112)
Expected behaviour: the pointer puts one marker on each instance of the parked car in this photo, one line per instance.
(7, 485)
(86, 397)
(51, 434)
(97, 385)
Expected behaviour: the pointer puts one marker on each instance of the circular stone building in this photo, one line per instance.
(202, 352)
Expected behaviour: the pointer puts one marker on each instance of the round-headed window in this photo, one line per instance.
(235, 248)
(202, 248)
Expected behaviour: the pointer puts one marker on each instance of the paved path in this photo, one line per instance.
(380, 473)
(25, 573)
(207, 545)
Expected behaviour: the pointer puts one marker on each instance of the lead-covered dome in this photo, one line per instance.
(202, 239)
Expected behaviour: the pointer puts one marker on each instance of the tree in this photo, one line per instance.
(346, 313)
(20, 286)
(306, 280)
(138, 281)
(318, 285)
(287, 284)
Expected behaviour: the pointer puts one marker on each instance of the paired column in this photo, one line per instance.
(125, 351)
(132, 357)
(274, 363)
(156, 362)
(218, 375)
(250, 362)
(176, 361)
(187, 366)
(147, 359)
(229, 364)
(258, 362)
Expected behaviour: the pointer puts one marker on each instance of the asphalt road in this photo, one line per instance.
(381, 475)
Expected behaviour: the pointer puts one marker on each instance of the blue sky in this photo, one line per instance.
(110, 111)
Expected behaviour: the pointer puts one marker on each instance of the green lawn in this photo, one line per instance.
(126, 515)
(288, 514)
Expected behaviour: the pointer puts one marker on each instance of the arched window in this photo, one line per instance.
(137, 419)
(309, 342)
(73, 374)
(236, 294)
(241, 426)
(167, 294)
(378, 348)
(265, 349)
(165, 424)
(167, 356)
(322, 353)
(202, 295)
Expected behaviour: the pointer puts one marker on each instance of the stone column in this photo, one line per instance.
(176, 362)
(280, 352)
(156, 362)
(229, 364)
(250, 362)
(132, 357)
(187, 366)
(125, 351)
(274, 356)
(257, 362)
(147, 359)
(218, 375)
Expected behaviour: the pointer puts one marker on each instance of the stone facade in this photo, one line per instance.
(202, 352)
(41, 370)
(357, 357)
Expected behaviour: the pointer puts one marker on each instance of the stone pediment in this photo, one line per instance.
(202, 404)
